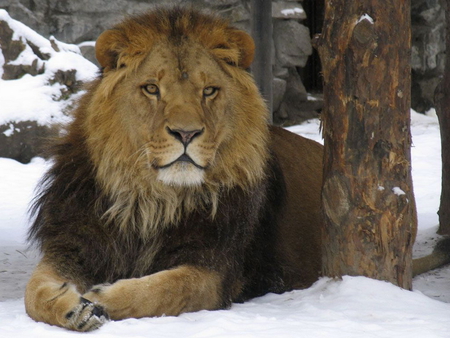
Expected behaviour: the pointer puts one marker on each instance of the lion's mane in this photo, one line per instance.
(99, 153)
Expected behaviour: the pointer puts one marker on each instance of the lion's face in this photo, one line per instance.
(175, 105)
(177, 109)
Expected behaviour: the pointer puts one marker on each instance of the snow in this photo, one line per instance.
(292, 11)
(354, 307)
(351, 307)
(86, 44)
(397, 191)
(347, 308)
(366, 17)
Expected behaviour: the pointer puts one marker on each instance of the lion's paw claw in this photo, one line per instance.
(87, 316)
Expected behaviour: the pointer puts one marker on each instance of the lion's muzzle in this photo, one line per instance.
(185, 136)
(183, 158)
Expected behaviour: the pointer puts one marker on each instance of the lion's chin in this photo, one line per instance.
(181, 174)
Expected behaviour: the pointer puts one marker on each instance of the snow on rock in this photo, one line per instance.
(23, 95)
(40, 80)
(288, 10)
(292, 11)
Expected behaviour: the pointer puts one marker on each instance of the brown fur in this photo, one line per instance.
(128, 228)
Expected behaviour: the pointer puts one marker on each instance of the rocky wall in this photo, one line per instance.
(428, 51)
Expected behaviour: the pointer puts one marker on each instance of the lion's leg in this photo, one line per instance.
(169, 292)
(51, 299)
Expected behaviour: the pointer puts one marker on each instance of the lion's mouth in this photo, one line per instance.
(183, 158)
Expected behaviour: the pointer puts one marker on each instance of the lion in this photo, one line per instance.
(169, 191)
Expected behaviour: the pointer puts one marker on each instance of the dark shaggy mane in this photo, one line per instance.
(70, 177)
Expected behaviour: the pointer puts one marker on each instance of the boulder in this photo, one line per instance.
(292, 43)
(278, 90)
(427, 51)
(297, 105)
(24, 140)
(12, 49)
(88, 51)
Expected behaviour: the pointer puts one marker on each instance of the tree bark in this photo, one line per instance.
(368, 200)
(442, 101)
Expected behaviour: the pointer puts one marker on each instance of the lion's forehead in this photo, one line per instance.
(187, 62)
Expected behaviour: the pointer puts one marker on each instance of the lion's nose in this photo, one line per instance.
(184, 136)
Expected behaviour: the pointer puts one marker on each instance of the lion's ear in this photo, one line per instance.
(108, 47)
(246, 47)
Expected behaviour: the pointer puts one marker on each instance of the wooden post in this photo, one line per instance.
(442, 100)
(261, 21)
(367, 194)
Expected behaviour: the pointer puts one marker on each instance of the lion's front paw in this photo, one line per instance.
(99, 288)
(118, 299)
(98, 294)
(86, 316)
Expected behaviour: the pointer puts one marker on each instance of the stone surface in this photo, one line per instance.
(24, 140)
(295, 106)
(278, 90)
(88, 51)
(11, 49)
(292, 43)
(427, 52)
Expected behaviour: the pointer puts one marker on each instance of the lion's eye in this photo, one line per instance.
(209, 91)
(151, 89)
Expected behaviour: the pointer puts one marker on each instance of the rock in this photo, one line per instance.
(422, 92)
(24, 140)
(88, 51)
(12, 49)
(33, 15)
(294, 95)
(237, 14)
(221, 2)
(278, 90)
(296, 106)
(292, 43)
(280, 72)
(427, 51)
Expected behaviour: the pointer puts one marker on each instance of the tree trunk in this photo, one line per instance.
(368, 200)
(442, 100)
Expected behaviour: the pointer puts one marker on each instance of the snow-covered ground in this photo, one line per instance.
(351, 307)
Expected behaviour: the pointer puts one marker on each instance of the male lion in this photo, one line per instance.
(169, 192)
